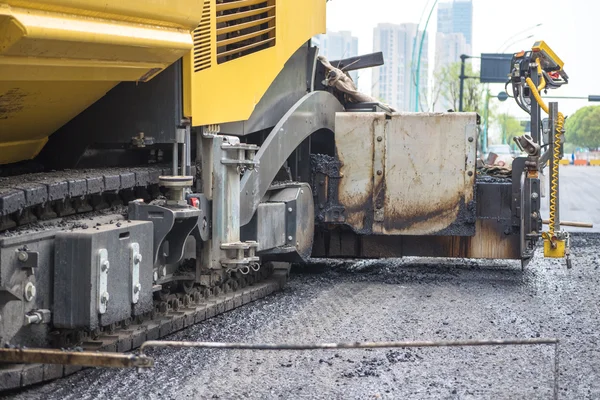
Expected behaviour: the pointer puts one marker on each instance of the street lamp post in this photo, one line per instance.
(419, 56)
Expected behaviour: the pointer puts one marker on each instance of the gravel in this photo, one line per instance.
(410, 299)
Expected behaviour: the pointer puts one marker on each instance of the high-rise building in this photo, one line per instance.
(392, 81)
(448, 48)
(456, 17)
(339, 45)
(454, 37)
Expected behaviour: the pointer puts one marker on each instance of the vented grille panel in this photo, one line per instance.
(202, 51)
(244, 27)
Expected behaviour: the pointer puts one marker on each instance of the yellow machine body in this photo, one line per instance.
(57, 57)
(239, 48)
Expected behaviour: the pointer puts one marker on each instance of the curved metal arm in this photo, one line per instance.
(314, 111)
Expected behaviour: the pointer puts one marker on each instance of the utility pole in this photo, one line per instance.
(462, 78)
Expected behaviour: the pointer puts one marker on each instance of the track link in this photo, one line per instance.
(25, 199)
(122, 340)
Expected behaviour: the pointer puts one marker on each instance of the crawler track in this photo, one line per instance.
(126, 339)
(27, 200)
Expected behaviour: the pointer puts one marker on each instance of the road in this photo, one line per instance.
(579, 198)
(409, 299)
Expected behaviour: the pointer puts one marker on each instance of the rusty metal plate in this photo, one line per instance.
(408, 174)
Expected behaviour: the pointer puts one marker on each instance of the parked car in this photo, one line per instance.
(505, 155)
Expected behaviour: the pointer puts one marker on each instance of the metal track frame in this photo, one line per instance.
(14, 376)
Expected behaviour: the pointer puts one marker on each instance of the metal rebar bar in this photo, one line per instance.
(352, 345)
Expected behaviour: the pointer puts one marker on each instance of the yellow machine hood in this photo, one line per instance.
(57, 57)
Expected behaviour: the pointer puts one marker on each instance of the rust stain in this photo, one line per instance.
(12, 102)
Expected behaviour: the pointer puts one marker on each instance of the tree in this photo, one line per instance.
(447, 86)
(583, 127)
(510, 127)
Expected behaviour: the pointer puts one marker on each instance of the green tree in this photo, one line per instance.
(447, 86)
(583, 127)
(510, 127)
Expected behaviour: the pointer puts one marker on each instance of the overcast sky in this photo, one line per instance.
(570, 27)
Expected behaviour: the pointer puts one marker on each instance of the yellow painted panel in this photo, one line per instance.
(595, 162)
(31, 111)
(57, 57)
(182, 13)
(564, 162)
(229, 91)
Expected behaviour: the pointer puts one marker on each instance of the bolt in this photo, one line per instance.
(155, 276)
(30, 291)
(205, 224)
(301, 191)
(23, 256)
(534, 214)
(534, 195)
(297, 244)
(104, 298)
(379, 172)
(137, 288)
(290, 238)
(290, 209)
(379, 138)
(137, 258)
(470, 139)
(163, 271)
(34, 318)
(470, 173)
(105, 266)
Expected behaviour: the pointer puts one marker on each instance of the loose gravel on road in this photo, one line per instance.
(411, 299)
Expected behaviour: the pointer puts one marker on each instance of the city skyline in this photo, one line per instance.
(392, 81)
(494, 30)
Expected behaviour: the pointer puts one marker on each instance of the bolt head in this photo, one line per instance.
(379, 172)
(470, 139)
(137, 288)
(379, 138)
(105, 265)
(23, 256)
(137, 258)
(30, 291)
(155, 276)
(290, 209)
(534, 195)
(104, 298)
(290, 238)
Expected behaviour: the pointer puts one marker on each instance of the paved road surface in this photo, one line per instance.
(579, 197)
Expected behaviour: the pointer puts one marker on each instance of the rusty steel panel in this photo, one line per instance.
(408, 173)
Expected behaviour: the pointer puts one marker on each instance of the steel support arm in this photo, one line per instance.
(313, 112)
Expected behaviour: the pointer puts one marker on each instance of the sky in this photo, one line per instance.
(568, 27)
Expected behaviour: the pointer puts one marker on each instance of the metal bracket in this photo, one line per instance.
(103, 266)
(245, 155)
(28, 259)
(242, 259)
(136, 259)
(172, 225)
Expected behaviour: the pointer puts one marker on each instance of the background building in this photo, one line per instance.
(454, 37)
(392, 81)
(339, 45)
(456, 17)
